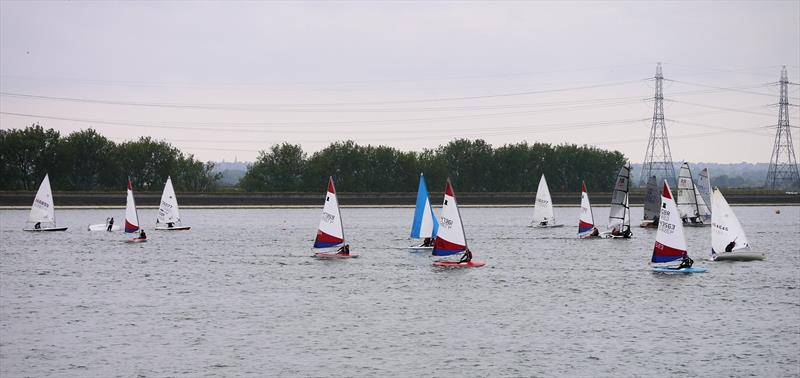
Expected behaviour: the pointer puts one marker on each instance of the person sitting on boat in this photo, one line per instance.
(110, 224)
(344, 250)
(142, 235)
(730, 246)
(466, 257)
(686, 262)
(38, 225)
(170, 224)
(428, 242)
(627, 233)
(595, 232)
(655, 221)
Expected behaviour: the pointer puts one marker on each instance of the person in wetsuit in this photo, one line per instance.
(428, 242)
(466, 257)
(344, 250)
(142, 235)
(686, 262)
(627, 233)
(730, 246)
(110, 224)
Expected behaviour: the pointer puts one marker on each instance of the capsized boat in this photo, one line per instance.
(687, 202)
(451, 239)
(424, 224)
(43, 215)
(728, 241)
(132, 217)
(670, 240)
(619, 216)
(651, 204)
(543, 207)
(586, 228)
(330, 232)
(105, 226)
(169, 217)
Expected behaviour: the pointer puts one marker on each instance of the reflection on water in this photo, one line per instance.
(239, 295)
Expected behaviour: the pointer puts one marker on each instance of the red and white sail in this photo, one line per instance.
(131, 216)
(330, 232)
(451, 238)
(586, 221)
(670, 240)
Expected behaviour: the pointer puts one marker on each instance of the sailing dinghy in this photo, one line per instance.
(43, 214)
(704, 189)
(728, 241)
(687, 203)
(169, 218)
(543, 207)
(104, 226)
(670, 241)
(330, 232)
(132, 217)
(451, 239)
(651, 204)
(619, 216)
(586, 228)
(424, 225)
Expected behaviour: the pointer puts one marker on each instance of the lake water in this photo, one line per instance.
(239, 295)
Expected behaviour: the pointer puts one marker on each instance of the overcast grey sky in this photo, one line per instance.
(223, 80)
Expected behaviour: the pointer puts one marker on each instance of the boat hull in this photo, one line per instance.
(420, 249)
(104, 227)
(137, 240)
(456, 264)
(609, 235)
(648, 224)
(683, 270)
(548, 226)
(334, 256)
(738, 256)
(180, 228)
(45, 229)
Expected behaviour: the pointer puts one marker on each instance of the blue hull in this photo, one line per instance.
(684, 270)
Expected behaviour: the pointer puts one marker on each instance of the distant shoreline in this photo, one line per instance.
(234, 200)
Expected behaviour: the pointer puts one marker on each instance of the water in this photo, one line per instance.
(238, 295)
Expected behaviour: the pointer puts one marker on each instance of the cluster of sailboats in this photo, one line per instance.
(42, 216)
(445, 236)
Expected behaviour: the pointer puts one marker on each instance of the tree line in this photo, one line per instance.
(86, 160)
(472, 166)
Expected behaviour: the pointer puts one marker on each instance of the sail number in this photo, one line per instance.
(542, 201)
(164, 204)
(41, 203)
(328, 218)
(446, 222)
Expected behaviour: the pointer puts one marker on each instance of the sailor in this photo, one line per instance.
(142, 235)
(466, 257)
(110, 223)
(730, 246)
(595, 232)
(627, 233)
(38, 225)
(344, 250)
(686, 262)
(428, 242)
(170, 224)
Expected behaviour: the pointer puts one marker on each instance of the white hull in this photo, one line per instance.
(648, 224)
(43, 229)
(177, 228)
(738, 256)
(420, 249)
(609, 235)
(547, 226)
(104, 227)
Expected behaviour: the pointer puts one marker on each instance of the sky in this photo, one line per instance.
(225, 80)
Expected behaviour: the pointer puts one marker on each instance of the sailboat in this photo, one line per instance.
(586, 227)
(728, 241)
(43, 214)
(651, 204)
(451, 239)
(619, 216)
(543, 207)
(330, 232)
(687, 199)
(424, 225)
(169, 218)
(670, 241)
(132, 217)
(703, 194)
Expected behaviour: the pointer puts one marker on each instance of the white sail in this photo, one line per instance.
(670, 240)
(616, 215)
(131, 216)
(43, 209)
(727, 234)
(702, 206)
(586, 221)
(626, 221)
(451, 238)
(543, 207)
(652, 201)
(330, 232)
(168, 209)
(687, 198)
(704, 186)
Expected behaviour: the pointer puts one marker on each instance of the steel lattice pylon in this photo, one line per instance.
(782, 173)
(658, 158)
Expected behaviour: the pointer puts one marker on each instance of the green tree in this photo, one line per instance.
(147, 162)
(279, 169)
(87, 158)
(27, 155)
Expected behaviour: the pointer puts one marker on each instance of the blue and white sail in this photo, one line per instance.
(424, 224)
